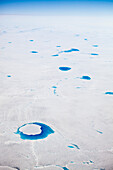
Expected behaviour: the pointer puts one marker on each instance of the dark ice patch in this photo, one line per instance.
(88, 162)
(17, 168)
(76, 146)
(63, 167)
(91, 161)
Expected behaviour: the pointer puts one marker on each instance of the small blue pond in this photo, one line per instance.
(88, 162)
(55, 55)
(64, 68)
(54, 91)
(34, 52)
(72, 162)
(110, 93)
(94, 54)
(54, 87)
(8, 75)
(45, 131)
(86, 78)
(99, 132)
(73, 146)
(71, 50)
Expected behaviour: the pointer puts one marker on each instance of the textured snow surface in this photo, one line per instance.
(34, 89)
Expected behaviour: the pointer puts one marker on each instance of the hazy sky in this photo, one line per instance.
(57, 7)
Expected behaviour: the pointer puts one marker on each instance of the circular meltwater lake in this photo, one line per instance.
(34, 131)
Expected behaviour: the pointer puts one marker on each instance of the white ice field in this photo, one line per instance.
(34, 89)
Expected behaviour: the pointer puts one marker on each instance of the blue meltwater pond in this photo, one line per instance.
(34, 52)
(45, 130)
(110, 93)
(64, 68)
(71, 50)
(86, 77)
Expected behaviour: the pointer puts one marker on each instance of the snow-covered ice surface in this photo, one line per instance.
(76, 103)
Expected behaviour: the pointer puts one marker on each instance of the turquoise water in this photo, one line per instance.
(86, 78)
(55, 55)
(76, 146)
(73, 146)
(45, 131)
(8, 75)
(99, 132)
(54, 87)
(94, 54)
(63, 167)
(34, 52)
(64, 68)
(54, 91)
(17, 168)
(110, 93)
(71, 50)
(88, 162)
